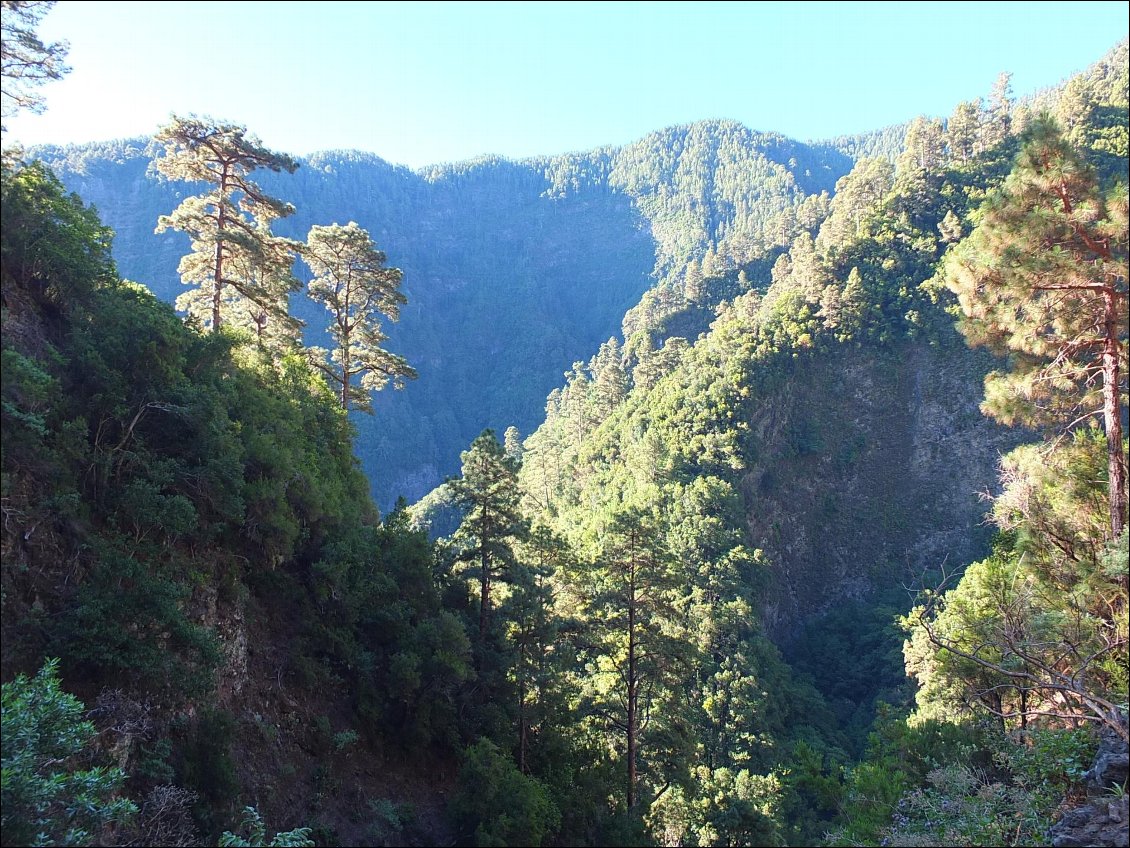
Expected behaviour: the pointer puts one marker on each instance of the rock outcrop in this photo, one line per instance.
(1105, 820)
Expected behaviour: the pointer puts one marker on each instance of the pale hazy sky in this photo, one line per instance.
(420, 83)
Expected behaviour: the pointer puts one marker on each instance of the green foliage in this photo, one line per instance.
(853, 656)
(1092, 109)
(623, 687)
(345, 739)
(350, 280)
(1047, 602)
(1035, 635)
(1042, 279)
(242, 271)
(527, 251)
(1051, 760)
(28, 392)
(128, 623)
(54, 247)
(27, 61)
(724, 808)
(495, 804)
(488, 493)
(939, 784)
(144, 460)
(47, 798)
(257, 835)
(389, 821)
(960, 806)
(899, 758)
(206, 764)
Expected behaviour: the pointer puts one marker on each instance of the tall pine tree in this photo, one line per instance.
(638, 655)
(229, 224)
(352, 282)
(488, 492)
(1042, 280)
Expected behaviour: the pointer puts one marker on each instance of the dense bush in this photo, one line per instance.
(48, 797)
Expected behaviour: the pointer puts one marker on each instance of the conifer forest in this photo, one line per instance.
(716, 489)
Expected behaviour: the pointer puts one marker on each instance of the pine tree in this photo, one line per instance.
(350, 280)
(269, 274)
(512, 442)
(950, 227)
(694, 289)
(633, 615)
(1042, 279)
(858, 194)
(489, 494)
(923, 147)
(533, 631)
(229, 225)
(996, 124)
(808, 273)
(961, 131)
(609, 379)
(25, 61)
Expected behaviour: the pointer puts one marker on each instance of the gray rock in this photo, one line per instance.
(1105, 821)
(1101, 823)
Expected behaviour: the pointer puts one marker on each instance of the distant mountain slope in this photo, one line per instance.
(513, 270)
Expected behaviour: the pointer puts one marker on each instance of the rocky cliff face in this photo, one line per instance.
(870, 472)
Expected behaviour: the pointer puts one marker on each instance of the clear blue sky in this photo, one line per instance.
(420, 83)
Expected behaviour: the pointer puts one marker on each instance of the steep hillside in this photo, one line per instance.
(671, 615)
(187, 533)
(512, 269)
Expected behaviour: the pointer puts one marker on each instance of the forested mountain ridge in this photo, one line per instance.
(512, 269)
(616, 643)
(823, 441)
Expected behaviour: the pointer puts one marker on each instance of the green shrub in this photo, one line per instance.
(257, 834)
(45, 799)
(345, 739)
(496, 804)
(206, 764)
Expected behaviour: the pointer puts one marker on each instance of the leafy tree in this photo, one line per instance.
(1040, 627)
(350, 280)
(1042, 279)
(51, 241)
(234, 257)
(732, 807)
(25, 61)
(46, 799)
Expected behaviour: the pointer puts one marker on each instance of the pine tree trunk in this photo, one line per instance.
(218, 269)
(522, 729)
(484, 596)
(633, 693)
(1112, 418)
